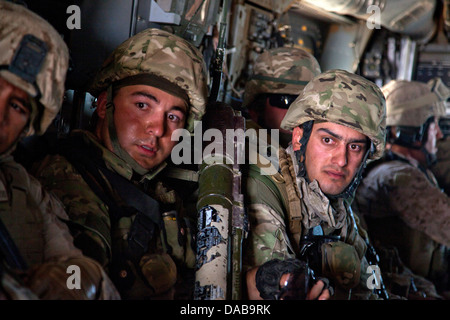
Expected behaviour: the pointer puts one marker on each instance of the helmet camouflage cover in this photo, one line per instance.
(411, 103)
(155, 51)
(284, 70)
(21, 30)
(343, 98)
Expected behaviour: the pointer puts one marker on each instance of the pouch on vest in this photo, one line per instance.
(341, 262)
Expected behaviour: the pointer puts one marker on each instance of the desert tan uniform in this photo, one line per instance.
(442, 167)
(404, 208)
(35, 219)
(283, 207)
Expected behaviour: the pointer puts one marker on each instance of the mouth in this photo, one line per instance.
(335, 174)
(148, 150)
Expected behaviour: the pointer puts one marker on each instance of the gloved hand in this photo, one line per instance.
(54, 281)
(160, 271)
(290, 279)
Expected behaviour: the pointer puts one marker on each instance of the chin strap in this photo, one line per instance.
(118, 150)
(300, 155)
(350, 190)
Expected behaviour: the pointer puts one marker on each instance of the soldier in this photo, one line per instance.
(399, 198)
(302, 212)
(36, 246)
(110, 178)
(279, 76)
(441, 169)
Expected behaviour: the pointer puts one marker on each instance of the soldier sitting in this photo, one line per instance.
(399, 197)
(36, 247)
(279, 76)
(110, 178)
(302, 213)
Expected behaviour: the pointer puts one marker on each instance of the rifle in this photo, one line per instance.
(222, 220)
(373, 259)
(219, 54)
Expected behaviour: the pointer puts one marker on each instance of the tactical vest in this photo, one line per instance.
(17, 198)
(424, 256)
(140, 224)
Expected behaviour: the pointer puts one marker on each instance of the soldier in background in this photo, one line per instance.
(303, 212)
(441, 169)
(399, 199)
(279, 76)
(36, 246)
(111, 178)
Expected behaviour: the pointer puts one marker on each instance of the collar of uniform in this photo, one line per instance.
(115, 163)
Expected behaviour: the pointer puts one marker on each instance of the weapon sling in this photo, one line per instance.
(9, 250)
(136, 201)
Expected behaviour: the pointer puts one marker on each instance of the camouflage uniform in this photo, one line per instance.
(99, 215)
(284, 207)
(399, 198)
(441, 169)
(33, 217)
(284, 70)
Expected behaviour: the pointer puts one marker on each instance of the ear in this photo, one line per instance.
(101, 105)
(297, 134)
(392, 134)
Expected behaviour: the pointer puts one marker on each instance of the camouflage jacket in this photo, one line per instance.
(441, 169)
(34, 220)
(105, 239)
(272, 221)
(397, 198)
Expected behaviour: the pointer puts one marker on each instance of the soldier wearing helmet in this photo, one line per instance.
(302, 212)
(111, 178)
(35, 241)
(279, 76)
(441, 169)
(399, 194)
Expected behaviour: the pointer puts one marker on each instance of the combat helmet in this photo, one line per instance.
(410, 105)
(284, 70)
(347, 99)
(344, 98)
(35, 59)
(166, 56)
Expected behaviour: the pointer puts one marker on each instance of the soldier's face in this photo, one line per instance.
(145, 118)
(14, 113)
(333, 156)
(433, 135)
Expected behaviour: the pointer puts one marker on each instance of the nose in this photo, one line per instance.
(156, 125)
(5, 93)
(339, 156)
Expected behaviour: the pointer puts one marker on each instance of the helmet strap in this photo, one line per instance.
(300, 154)
(430, 158)
(118, 150)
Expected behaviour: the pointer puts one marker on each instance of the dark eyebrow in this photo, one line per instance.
(145, 94)
(341, 138)
(152, 97)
